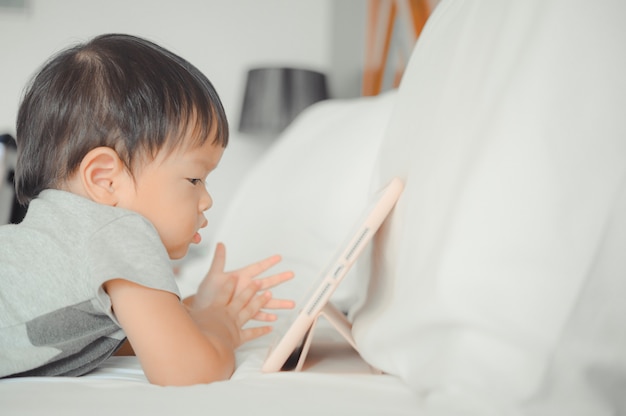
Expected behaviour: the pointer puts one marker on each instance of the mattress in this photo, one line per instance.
(334, 380)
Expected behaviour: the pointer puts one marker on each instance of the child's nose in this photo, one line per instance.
(206, 201)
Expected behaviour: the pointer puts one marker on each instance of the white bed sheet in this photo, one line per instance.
(335, 381)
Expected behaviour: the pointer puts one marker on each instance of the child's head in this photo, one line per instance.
(116, 91)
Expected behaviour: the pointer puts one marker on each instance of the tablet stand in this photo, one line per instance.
(338, 320)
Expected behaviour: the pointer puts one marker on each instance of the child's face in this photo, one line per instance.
(170, 191)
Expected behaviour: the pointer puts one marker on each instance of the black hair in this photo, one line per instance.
(118, 91)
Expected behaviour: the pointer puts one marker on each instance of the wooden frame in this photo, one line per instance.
(393, 27)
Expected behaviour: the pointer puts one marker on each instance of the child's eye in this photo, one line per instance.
(194, 181)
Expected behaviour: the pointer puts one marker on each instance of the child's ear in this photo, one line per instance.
(102, 172)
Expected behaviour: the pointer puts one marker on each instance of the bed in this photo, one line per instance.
(496, 286)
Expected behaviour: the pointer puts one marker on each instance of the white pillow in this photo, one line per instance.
(497, 284)
(303, 196)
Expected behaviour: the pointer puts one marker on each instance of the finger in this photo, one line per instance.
(253, 307)
(249, 334)
(245, 296)
(259, 267)
(274, 280)
(219, 259)
(264, 317)
(280, 304)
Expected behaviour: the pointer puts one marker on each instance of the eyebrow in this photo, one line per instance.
(205, 162)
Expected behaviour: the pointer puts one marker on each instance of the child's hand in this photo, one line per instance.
(216, 277)
(229, 311)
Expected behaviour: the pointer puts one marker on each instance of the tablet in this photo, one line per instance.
(292, 336)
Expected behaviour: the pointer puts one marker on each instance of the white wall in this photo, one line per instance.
(221, 37)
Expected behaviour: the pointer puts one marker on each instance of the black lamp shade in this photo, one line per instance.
(275, 96)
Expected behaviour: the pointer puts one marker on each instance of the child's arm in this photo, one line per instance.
(216, 277)
(177, 345)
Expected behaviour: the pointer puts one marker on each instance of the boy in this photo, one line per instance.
(115, 140)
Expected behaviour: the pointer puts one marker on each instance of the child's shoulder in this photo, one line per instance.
(79, 219)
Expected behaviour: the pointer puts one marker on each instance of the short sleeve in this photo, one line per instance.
(129, 248)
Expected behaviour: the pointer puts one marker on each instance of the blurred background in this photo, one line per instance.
(223, 38)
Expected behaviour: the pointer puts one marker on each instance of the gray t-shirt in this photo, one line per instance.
(55, 318)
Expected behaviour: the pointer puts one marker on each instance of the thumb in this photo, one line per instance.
(219, 259)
